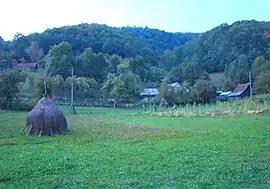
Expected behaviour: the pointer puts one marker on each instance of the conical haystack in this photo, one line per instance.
(46, 119)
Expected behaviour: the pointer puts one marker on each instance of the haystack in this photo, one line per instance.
(46, 119)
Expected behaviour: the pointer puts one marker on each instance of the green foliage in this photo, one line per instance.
(126, 41)
(40, 88)
(204, 91)
(113, 62)
(139, 66)
(60, 60)
(261, 73)
(193, 71)
(86, 87)
(225, 43)
(156, 74)
(9, 87)
(93, 65)
(262, 83)
(125, 85)
(237, 71)
(5, 61)
(34, 52)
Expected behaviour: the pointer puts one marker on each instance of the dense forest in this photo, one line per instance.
(126, 41)
(120, 61)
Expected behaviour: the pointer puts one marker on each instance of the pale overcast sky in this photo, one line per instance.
(27, 16)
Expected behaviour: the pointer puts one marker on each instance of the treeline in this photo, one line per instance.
(214, 49)
(126, 42)
(119, 62)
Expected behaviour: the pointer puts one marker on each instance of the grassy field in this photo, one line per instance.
(126, 149)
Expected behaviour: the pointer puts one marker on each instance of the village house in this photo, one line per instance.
(32, 66)
(240, 91)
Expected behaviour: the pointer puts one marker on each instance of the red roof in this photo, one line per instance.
(240, 89)
(27, 65)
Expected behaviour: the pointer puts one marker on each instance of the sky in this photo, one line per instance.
(28, 16)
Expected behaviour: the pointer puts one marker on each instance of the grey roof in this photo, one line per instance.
(150, 92)
(175, 85)
(225, 93)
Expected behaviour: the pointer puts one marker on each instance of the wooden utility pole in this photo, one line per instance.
(71, 107)
(250, 84)
(45, 89)
(250, 80)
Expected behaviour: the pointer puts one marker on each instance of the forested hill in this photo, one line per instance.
(225, 43)
(126, 41)
(212, 49)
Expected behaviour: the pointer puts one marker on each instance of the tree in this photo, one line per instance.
(260, 65)
(204, 91)
(58, 85)
(225, 43)
(261, 71)
(18, 45)
(262, 83)
(175, 75)
(237, 71)
(41, 87)
(93, 65)
(169, 60)
(125, 85)
(192, 71)
(2, 44)
(164, 90)
(113, 61)
(34, 52)
(107, 86)
(9, 87)
(156, 74)
(86, 87)
(139, 66)
(60, 60)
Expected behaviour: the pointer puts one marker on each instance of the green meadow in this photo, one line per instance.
(124, 148)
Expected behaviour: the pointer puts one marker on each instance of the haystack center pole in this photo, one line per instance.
(45, 88)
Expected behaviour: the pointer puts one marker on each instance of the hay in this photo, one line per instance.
(46, 119)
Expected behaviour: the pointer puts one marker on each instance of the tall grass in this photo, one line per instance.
(256, 105)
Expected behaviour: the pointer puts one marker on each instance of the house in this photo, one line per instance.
(240, 91)
(174, 85)
(148, 95)
(223, 96)
(149, 92)
(31, 66)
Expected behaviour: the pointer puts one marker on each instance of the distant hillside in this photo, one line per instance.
(125, 41)
(212, 49)
(223, 44)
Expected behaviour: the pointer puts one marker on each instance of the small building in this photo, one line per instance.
(31, 66)
(223, 96)
(240, 91)
(148, 95)
(174, 85)
(149, 92)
